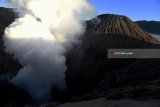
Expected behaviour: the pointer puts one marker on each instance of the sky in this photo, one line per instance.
(2, 3)
(134, 9)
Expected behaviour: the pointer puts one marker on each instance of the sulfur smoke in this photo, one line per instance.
(39, 39)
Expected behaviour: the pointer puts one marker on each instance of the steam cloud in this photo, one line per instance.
(38, 39)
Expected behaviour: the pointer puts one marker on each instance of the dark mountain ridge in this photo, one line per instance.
(150, 26)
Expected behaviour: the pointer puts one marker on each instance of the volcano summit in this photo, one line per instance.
(118, 25)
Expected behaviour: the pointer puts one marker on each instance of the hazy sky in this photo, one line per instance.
(134, 9)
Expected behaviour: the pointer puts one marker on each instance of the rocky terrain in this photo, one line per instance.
(90, 74)
(102, 102)
(88, 65)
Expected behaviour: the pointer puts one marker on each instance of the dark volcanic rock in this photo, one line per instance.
(89, 68)
(7, 63)
(10, 94)
(119, 25)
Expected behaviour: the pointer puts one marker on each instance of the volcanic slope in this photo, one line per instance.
(118, 25)
(90, 71)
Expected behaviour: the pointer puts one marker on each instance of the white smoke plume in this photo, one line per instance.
(38, 39)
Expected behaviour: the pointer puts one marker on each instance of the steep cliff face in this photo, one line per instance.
(118, 25)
